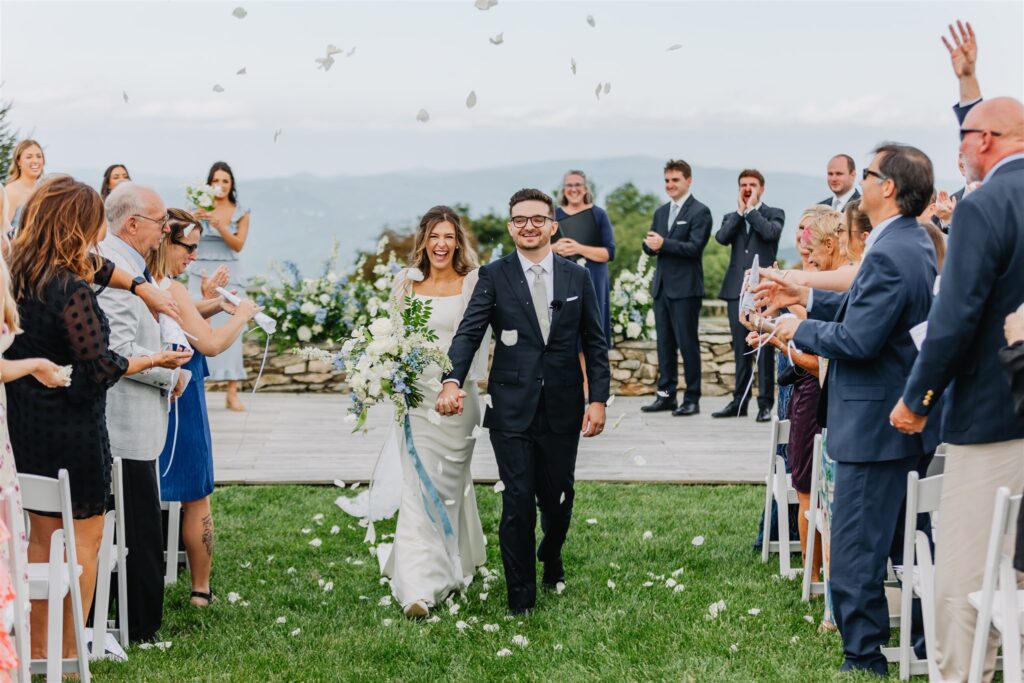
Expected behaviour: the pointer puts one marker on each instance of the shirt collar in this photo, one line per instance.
(844, 198)
(133, 254)
(548, 262)
(682, 200)
(1002, 162)
(877, 231)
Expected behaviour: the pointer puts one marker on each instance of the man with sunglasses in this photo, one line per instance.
(983, 282)
(137, 405)
(543, 310)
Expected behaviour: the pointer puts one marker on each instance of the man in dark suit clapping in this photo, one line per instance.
(752, 230)
(679, 232)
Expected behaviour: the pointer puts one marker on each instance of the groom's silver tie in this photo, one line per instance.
(540, 301)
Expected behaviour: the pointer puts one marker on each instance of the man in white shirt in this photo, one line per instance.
(841, 176)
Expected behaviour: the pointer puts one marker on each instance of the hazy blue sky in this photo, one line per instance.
(778, 85)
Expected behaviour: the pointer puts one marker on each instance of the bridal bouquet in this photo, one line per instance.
(383, 360)
(201, 196)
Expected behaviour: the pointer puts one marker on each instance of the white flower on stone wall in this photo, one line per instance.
(304, 334)
(633, 330)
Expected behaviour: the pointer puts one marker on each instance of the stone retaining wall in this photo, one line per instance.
(634, 366)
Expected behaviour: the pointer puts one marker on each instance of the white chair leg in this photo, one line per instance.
(173, 532)
(769, 493)
(102, 599)
(122, 595)
(1011, 633)
(55, 610)
(782, 505)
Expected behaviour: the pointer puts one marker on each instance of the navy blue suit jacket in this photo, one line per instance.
(828, 200)
(680, 269)
(762, 239)
(869, 345)
(983, 282)
(961, 112)
(524, 367)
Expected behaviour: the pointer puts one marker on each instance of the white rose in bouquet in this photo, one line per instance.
(308, 308)
(304, 333)
(380, 327)
(325, 299)
(633, 330)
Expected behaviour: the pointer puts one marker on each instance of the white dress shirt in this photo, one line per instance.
(839, 202)
(548, 264)
(676, 207)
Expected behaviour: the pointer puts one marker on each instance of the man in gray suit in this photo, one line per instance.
(137, 404)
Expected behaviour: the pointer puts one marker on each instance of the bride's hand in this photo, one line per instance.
(449, 401)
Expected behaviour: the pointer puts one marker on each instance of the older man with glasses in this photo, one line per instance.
(137, 404)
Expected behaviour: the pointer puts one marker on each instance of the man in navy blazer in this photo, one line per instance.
(841, 175)
(679, 232)
(983, 282)
(865, 333)
(752, 230)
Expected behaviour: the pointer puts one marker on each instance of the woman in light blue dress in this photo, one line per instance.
(225, 229)
(28, 163)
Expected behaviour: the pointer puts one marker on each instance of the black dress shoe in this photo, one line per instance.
(554, 573)
(764, 415)
(660, 403)
(733, 409)
(519, 611)
(688, 408)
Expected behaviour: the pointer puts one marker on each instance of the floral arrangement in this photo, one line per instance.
(631, 303)
(383, 360)
(201, 196)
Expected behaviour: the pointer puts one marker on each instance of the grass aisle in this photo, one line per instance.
(591, 632)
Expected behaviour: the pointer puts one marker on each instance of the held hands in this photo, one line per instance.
(566, 247)
(211, 283)
(171, 359)
(654, 241)
(449, 401)
(593, 419)
(1014, 327)
(158, 301)
(905, 420)
(963, 53)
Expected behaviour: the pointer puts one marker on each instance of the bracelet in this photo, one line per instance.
(152, 363)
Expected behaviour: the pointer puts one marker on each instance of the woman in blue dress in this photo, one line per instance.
(577, 198)
(186, 463)
(226, 228)
(28, 163)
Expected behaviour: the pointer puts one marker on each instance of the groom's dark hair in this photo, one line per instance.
(528, 194)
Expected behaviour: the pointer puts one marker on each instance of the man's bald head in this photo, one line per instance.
(992, 131)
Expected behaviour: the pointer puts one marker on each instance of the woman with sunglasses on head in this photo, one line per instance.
(227, 228)
(186, 463)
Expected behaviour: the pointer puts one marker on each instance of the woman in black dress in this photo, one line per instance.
(52, 273)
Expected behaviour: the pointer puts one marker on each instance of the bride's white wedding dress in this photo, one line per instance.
(439, 541)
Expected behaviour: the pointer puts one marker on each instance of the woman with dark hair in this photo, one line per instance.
(577, 199)
(112, 177)
(227, 228)
(53, 269)
(186, 463)
(431, 559)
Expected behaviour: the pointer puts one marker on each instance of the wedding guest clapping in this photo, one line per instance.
(52, 273)
(27, 165)
(186, 462)
(112, 177)
(227, 229)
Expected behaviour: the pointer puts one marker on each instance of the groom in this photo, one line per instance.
(543, 310)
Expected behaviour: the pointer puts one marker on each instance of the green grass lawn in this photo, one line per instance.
(591, 632)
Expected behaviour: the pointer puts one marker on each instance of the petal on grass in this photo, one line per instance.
(697, 541)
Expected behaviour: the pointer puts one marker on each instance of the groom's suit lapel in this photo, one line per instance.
(521, 288)
(562, 273)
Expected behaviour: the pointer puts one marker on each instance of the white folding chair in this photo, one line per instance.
(53, 580)
(16, 567)
(172, 556)
(1004, 613)
(113, 558)
(814, 527)
(923, 496)
(925, 584)
(778, 488)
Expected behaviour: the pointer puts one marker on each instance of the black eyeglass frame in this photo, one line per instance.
(516, 220)
(190, 248)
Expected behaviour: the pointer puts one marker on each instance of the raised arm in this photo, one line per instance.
(963, 55)
(732, 223)
(769, 226)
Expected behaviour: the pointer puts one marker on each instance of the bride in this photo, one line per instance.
(432, 558)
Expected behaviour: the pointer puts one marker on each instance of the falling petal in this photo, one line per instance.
(520, 640)
(478, 431)
(673, 47)
(454, 609)
(498, 39)
(679, 588)
(354, 486)
(350, 52)
(562, 499)
(753, 611)
(422, 116)
(698, 540)
(125, 96)
(163, 646)
(433, 417)
(485, 4)
(677, 572)
(241, 72)
(218, 88)
(499, 486)
(648, 535)
(503, 652)
(318, 518)
(291, 570)
(324, 63)
(484, 572)
(794, 640)
(239, 13)
(714, 608)
(572, 65)
(270, 558)
(385, 601)
(332, 50)
(233, 597)
(470, 103)
(597, 91)
(607, 88)
(306, 530)
(245, 565)
(329, 586)
(670, 583)
(434, 619)
(558, 647)
(639, 460)
(614, 565)
(648, 584)
(590, 20)
(734, 647)
(449, 502)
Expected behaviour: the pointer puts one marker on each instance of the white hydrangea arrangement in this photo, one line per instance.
(631, 302)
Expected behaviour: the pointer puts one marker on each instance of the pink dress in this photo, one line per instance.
(9, 485)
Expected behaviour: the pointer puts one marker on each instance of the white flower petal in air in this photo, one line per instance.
(318, 518)
(449, 502)
(558, 647)
(592, 521)
(145, 646)
(648, 535)
(562, 499)
(246, 565)
(422, 116)
(491, 628)
(306, 530)
(478, 431)
(350, 52)
(218, 88)
(679, 588)
(316, 543)
(331, 50)
(124, 94)
(350, 417)
(673, 47)
(597, 91)
(270, 558)
(295, 632)
(607, 88)
(353, 487)
(753, 611)
(504, 652)
(239, 13)
(461, 625)
(590, 20)
(698, 540)
(794, 640)
(163, 646)
(611, 584)
(498, 39)
(714, 608)
(484, 571)
(241, 72)
(328, 587)
(471, 99)
(233, 597)
(465, 491)
(291, 570)
(282, 620)
(485, 4)
(670, 583)
(499, 486)
(433, 417)
(520, 640)
(572, 65)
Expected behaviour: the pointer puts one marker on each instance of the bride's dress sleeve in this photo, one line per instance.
(478, 369)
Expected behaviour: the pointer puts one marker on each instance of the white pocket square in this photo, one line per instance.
(509, 337)
(680, 222)
(571, 298)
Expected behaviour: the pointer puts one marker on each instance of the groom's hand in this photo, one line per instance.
(449, 401)
(593, 419)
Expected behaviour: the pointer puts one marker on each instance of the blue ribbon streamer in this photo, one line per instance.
(428, 485)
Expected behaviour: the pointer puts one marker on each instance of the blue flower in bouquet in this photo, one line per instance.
(292, 306)
(320, 316)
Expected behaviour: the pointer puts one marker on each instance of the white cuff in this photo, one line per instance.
(457, 382)
(810, 300)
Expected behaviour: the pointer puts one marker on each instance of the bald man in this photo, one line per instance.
(841, 175)
(983, 281)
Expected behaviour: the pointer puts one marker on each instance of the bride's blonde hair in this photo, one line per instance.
(465, 257)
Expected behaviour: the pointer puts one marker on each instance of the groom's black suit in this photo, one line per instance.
(537, 401)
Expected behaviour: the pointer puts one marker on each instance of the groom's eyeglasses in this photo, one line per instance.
(538, 221)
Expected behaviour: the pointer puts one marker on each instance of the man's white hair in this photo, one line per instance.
(126, 199)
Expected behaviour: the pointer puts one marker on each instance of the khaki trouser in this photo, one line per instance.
(972, 475)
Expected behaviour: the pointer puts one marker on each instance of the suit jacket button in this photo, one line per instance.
(746, 251)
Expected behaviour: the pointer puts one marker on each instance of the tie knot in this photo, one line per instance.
(537, 270)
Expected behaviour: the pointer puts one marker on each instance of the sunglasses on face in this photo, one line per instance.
(190, 248)
(868, 172)
(538, 221)
(965, 131)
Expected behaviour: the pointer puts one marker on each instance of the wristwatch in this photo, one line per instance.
(136, 281)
